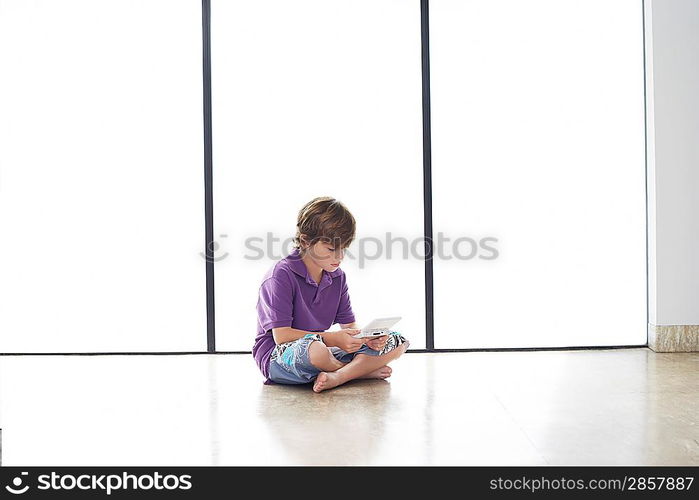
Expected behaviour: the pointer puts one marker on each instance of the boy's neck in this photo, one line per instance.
(314, 270)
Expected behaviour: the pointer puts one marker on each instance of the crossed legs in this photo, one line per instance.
(335, 372)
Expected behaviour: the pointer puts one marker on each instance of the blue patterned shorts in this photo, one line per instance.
(290, 362)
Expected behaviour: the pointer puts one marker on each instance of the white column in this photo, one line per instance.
(672, 96)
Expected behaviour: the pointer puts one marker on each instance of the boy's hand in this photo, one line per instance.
(377, 343)
(343, 339)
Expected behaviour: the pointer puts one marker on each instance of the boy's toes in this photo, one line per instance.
(321, 382)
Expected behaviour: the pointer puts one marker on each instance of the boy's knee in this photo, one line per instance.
(318, 353)
(400, 345)
(401, 348)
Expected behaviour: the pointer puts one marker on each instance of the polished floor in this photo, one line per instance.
(602, 407)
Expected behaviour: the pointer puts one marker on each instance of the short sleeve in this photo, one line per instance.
(344, 314)
(275, 304)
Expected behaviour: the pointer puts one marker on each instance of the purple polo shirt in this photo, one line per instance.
(288, 296)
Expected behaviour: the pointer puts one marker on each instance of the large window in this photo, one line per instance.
(317, 98)
(538, 173)
(537, 148)
(101, 176)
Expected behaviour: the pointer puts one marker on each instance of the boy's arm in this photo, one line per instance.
(349, 325)
(335, 338)
(287, 334)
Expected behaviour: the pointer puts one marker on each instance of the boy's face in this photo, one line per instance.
(326, 255)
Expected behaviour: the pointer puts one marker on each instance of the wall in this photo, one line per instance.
(672, 77)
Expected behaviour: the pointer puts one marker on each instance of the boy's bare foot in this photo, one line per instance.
(383, 372)
(326, 380)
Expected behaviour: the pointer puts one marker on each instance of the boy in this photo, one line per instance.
(306, 293)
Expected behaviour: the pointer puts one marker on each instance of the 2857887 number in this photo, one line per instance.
(660, 483)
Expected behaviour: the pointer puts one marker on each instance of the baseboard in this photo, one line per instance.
(673, 338)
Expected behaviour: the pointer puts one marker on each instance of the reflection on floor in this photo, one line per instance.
(622, 407)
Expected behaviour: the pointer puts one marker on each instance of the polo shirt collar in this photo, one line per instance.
(297, 266)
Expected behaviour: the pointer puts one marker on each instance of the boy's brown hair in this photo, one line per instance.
(325, 219)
